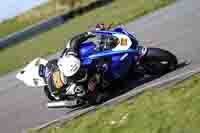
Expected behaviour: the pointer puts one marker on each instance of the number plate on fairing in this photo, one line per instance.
(124, 43)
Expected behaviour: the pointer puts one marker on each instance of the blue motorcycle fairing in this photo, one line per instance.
(109, 33)
(87, 49)
(121, 61)
(121, 30)
(88, 52)
(109, 53)
(120, 68)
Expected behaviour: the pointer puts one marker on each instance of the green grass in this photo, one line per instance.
(35, 15)
(120, 11)
(26, 19)
(174, 110)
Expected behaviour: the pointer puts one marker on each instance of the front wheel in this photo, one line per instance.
(158, 61)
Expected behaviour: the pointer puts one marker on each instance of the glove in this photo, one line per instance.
(103, 26)
(91, 34)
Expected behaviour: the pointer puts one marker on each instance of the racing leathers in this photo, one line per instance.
(56, 81)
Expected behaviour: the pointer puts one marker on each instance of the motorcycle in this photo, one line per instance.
(127, 56)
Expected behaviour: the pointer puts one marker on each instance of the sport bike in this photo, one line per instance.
(111, 63)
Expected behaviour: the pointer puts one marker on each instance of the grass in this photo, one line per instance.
(173, 110)
(120, 11)
(35, 15)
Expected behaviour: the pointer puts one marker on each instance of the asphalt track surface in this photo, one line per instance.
(175, 28)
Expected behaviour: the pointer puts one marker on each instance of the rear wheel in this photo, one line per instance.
(158, 61)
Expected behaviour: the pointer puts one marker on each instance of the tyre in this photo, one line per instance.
(158, 61)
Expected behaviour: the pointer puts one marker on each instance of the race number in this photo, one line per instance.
(124, 42)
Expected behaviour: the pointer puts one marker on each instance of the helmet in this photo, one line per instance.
(69, 65)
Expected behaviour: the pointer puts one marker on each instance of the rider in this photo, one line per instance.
(57, 74)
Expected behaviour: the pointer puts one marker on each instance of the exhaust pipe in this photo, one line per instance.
(65, 104)
(60, 104)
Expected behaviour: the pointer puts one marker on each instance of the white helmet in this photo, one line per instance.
(69, 65)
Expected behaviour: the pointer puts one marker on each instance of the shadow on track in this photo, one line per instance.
(137, 79)
(134, 80)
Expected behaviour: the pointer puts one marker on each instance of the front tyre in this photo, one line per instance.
(158, 61)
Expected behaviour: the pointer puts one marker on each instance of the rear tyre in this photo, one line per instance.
(158, 61)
